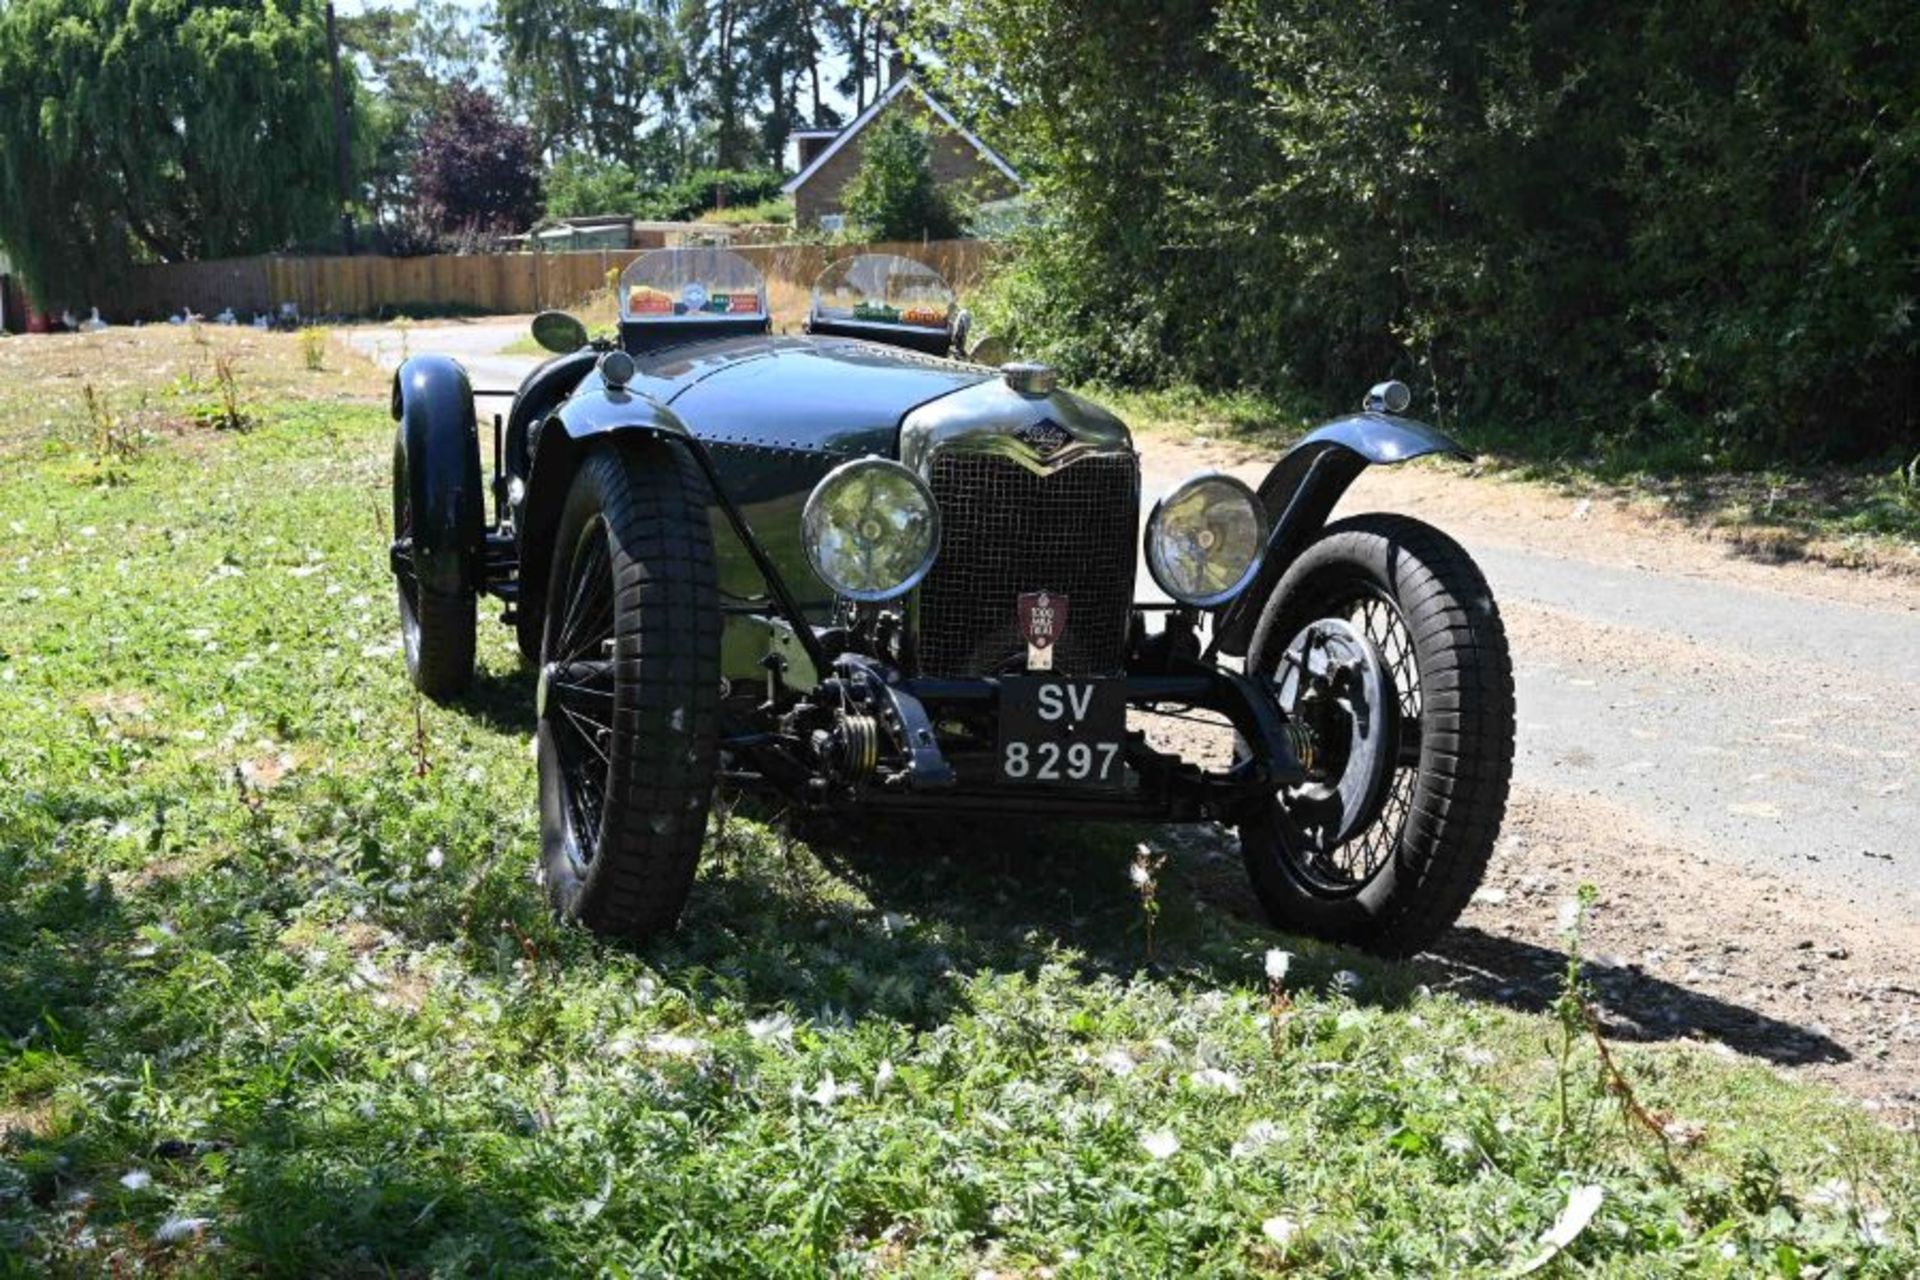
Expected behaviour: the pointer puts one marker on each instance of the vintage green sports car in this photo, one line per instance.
(856, 570)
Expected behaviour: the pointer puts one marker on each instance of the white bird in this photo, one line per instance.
(226, 317)
(93, 323)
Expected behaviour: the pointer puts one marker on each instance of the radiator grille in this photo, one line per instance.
(1004, 531)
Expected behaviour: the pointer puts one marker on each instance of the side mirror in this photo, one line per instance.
(557, 331)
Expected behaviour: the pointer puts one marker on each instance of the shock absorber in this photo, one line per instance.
(856, 744)
(1305, 745)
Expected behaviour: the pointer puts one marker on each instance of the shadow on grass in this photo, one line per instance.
(500, 700)
(1010, 897)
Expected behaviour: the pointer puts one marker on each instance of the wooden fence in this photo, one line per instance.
(500, 283)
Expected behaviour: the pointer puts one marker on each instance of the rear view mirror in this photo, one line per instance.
(557, 331)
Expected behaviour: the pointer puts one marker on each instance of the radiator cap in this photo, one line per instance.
(1029, 378)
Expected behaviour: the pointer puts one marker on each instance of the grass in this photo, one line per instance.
(278, 994)
(1865, 516)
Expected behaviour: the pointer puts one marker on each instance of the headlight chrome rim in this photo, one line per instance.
(814, 529)
(1155, 547)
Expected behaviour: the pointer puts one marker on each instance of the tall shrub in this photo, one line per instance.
(1696, 223)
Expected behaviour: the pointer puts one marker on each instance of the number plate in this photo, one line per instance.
(1056, 731)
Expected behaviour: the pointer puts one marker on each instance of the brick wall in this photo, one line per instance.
(955, 164)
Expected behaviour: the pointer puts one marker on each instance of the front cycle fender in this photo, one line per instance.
(439, 444)
(1304, 486)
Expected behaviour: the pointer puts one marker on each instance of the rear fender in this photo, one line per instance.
(437, 438)
(1302, 489)
(561, 441)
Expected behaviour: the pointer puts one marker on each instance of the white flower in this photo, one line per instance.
(827, 1092)
(1215, 1078)
(1475, 1056)
(1834, 1194)
(137, 1180)
(1118, 1061)
(436, 858)
(417, 1072)
(1160, 1144)
(775, 1026)
(1346, 981)
(1260, 1135)
(1457, 1145)
(1569, 917)
(883, 1076)
(1280, 1230)
(1139, 874)
(174, 1230)
(675, 1046)
(1278, 962)
(1582, 1204)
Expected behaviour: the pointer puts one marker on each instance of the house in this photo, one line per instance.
(830, 157)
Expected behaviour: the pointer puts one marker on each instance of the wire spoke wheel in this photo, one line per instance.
(628, 697)
(1348, 865)
(576, 696)
(1396, 871)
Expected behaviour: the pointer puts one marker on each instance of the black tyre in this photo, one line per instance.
(629, 692)
(436, 629)
(1403, 879)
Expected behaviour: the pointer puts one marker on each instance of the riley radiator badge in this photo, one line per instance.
(1045, 437)
(1043, 619)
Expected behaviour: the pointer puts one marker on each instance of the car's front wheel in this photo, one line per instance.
(1385, 647)
(628, 692)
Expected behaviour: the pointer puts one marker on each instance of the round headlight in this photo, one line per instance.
(871, 529)
(1205, 540)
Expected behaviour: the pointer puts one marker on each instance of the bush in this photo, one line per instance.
(1690, 227)
(894, 195)
(706, 189)
(580, 184)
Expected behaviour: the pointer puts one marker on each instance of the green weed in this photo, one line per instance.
(313, 348)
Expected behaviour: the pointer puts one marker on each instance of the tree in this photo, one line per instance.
(579, 185)
(160, 130)
(476, 170)
(407, 58)
(894, 195)
(1685, 229)
(671, 86)
(600, 77)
